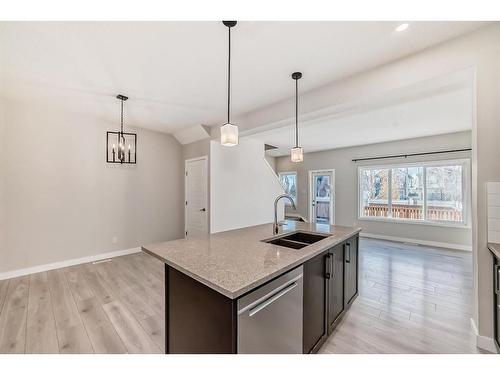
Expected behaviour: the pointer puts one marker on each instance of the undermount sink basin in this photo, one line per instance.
(297, 240)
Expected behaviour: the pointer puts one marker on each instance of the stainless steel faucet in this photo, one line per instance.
(275, 225)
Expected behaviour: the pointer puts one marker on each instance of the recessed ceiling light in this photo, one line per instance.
(402, 27)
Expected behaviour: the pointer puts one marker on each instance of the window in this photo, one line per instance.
(445, 193)
(407, 192)
(289, 182)
(375, 192)
(424, 192)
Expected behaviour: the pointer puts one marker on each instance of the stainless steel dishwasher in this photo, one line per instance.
(270, 318)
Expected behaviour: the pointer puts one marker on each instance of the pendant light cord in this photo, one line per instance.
(229, 80)
(296, 113)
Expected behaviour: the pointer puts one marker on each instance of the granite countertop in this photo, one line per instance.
(494, 248)
(237, 261)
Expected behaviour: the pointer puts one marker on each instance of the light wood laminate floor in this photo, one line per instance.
(412, 299)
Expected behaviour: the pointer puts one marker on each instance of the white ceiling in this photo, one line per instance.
(440, 113)
(175, 72)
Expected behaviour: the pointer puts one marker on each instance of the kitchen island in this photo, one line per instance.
(215, 283)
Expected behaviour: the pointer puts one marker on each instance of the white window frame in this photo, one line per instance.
(465, 223)
(287, 203)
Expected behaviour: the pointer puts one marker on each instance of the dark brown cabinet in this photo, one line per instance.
(351, 269)
(330, 286)
(315, 298)
(335, 277)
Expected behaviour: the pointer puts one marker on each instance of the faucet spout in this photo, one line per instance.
(275, 225)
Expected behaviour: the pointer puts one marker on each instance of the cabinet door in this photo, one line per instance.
(314, 328)
(351, 268)
(335, 285)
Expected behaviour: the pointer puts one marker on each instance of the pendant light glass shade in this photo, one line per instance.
(228, 131)
(229, 135)
(297, 154)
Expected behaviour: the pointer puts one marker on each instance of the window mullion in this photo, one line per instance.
(424, 192)
(389, 198)
(465, 193)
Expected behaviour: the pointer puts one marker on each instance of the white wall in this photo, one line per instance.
(271, 160)
(60, 200)
(478, 51)
(346, 182)
(242, 186)
(493, 189)
(3, 160)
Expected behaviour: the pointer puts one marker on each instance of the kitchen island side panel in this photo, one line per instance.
(197, 319)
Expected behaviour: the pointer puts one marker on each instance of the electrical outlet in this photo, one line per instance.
(114, 239)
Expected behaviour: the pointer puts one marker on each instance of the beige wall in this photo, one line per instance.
(346, 182)
(62, 201)
(478, 51)
(196, 149)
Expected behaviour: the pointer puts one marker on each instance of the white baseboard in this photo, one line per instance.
(417, 241)
(483, 342)
(486, 343)
(66, 263)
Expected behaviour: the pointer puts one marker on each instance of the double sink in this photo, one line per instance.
(297, 240)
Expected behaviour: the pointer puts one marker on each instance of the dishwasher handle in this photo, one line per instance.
(271, 299)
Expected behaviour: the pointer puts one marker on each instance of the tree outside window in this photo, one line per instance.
(426, 192)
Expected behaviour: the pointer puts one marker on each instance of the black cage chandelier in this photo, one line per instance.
(121, 147)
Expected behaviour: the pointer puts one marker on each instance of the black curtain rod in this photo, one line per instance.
(416, 154)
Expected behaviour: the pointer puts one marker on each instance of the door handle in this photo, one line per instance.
(328, 265)
(348, 251)
(496, 270)
(333, 264)
(203, 210)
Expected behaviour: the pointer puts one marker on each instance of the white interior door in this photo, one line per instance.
(322, 195)
(196, 210)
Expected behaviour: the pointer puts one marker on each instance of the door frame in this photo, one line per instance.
(332, 200)
(205, 159)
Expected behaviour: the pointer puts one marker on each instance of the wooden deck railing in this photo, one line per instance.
(413, 212)
(323, 210)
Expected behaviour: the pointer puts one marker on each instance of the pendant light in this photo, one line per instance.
(297, 153)
(228, 131)
(126, 152)
(121, 136)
